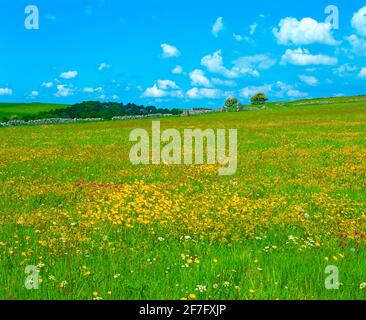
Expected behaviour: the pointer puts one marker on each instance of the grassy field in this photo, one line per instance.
(99, 228)
(8, 110)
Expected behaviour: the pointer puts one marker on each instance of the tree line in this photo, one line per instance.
(233, 104)
(105, 110)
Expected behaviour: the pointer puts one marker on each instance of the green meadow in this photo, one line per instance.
(97, 227)
(19, 110)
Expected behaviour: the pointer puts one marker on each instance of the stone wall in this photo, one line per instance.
(157, 115)
(187, 113)
(16, 123)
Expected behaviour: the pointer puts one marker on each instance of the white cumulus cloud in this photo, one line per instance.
(205, 93)
(358, 44)
(154, 92)
(244, 66)
(64, 91)
(303, 57)
(362, 73)
(6, 92)
(167, 84)
(103, 66)
(198, 78)
(309, 80)
(218, 27)
(253, 28)
(68, 75)
(170, 51)
(215, 64)
(162, 88)
(345, 70)
(359, 21)
(178, 70)
(294, 93)
(303, 32)
(238, 37)
(225, 83)
(258, 61)
(92, 90)
(47, 84)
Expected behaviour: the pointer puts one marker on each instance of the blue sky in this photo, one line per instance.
(191, 53)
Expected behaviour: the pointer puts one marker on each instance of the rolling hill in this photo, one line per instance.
(9, 110)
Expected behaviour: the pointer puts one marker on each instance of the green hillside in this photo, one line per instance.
(100, 227)
(8, 110)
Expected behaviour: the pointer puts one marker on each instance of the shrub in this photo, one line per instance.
(259, 98)
(231, 102)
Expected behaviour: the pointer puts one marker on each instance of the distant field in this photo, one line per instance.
(8, 110)
(99, 228)
(20, 110)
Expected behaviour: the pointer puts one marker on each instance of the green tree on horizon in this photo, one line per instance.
(259, 98)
